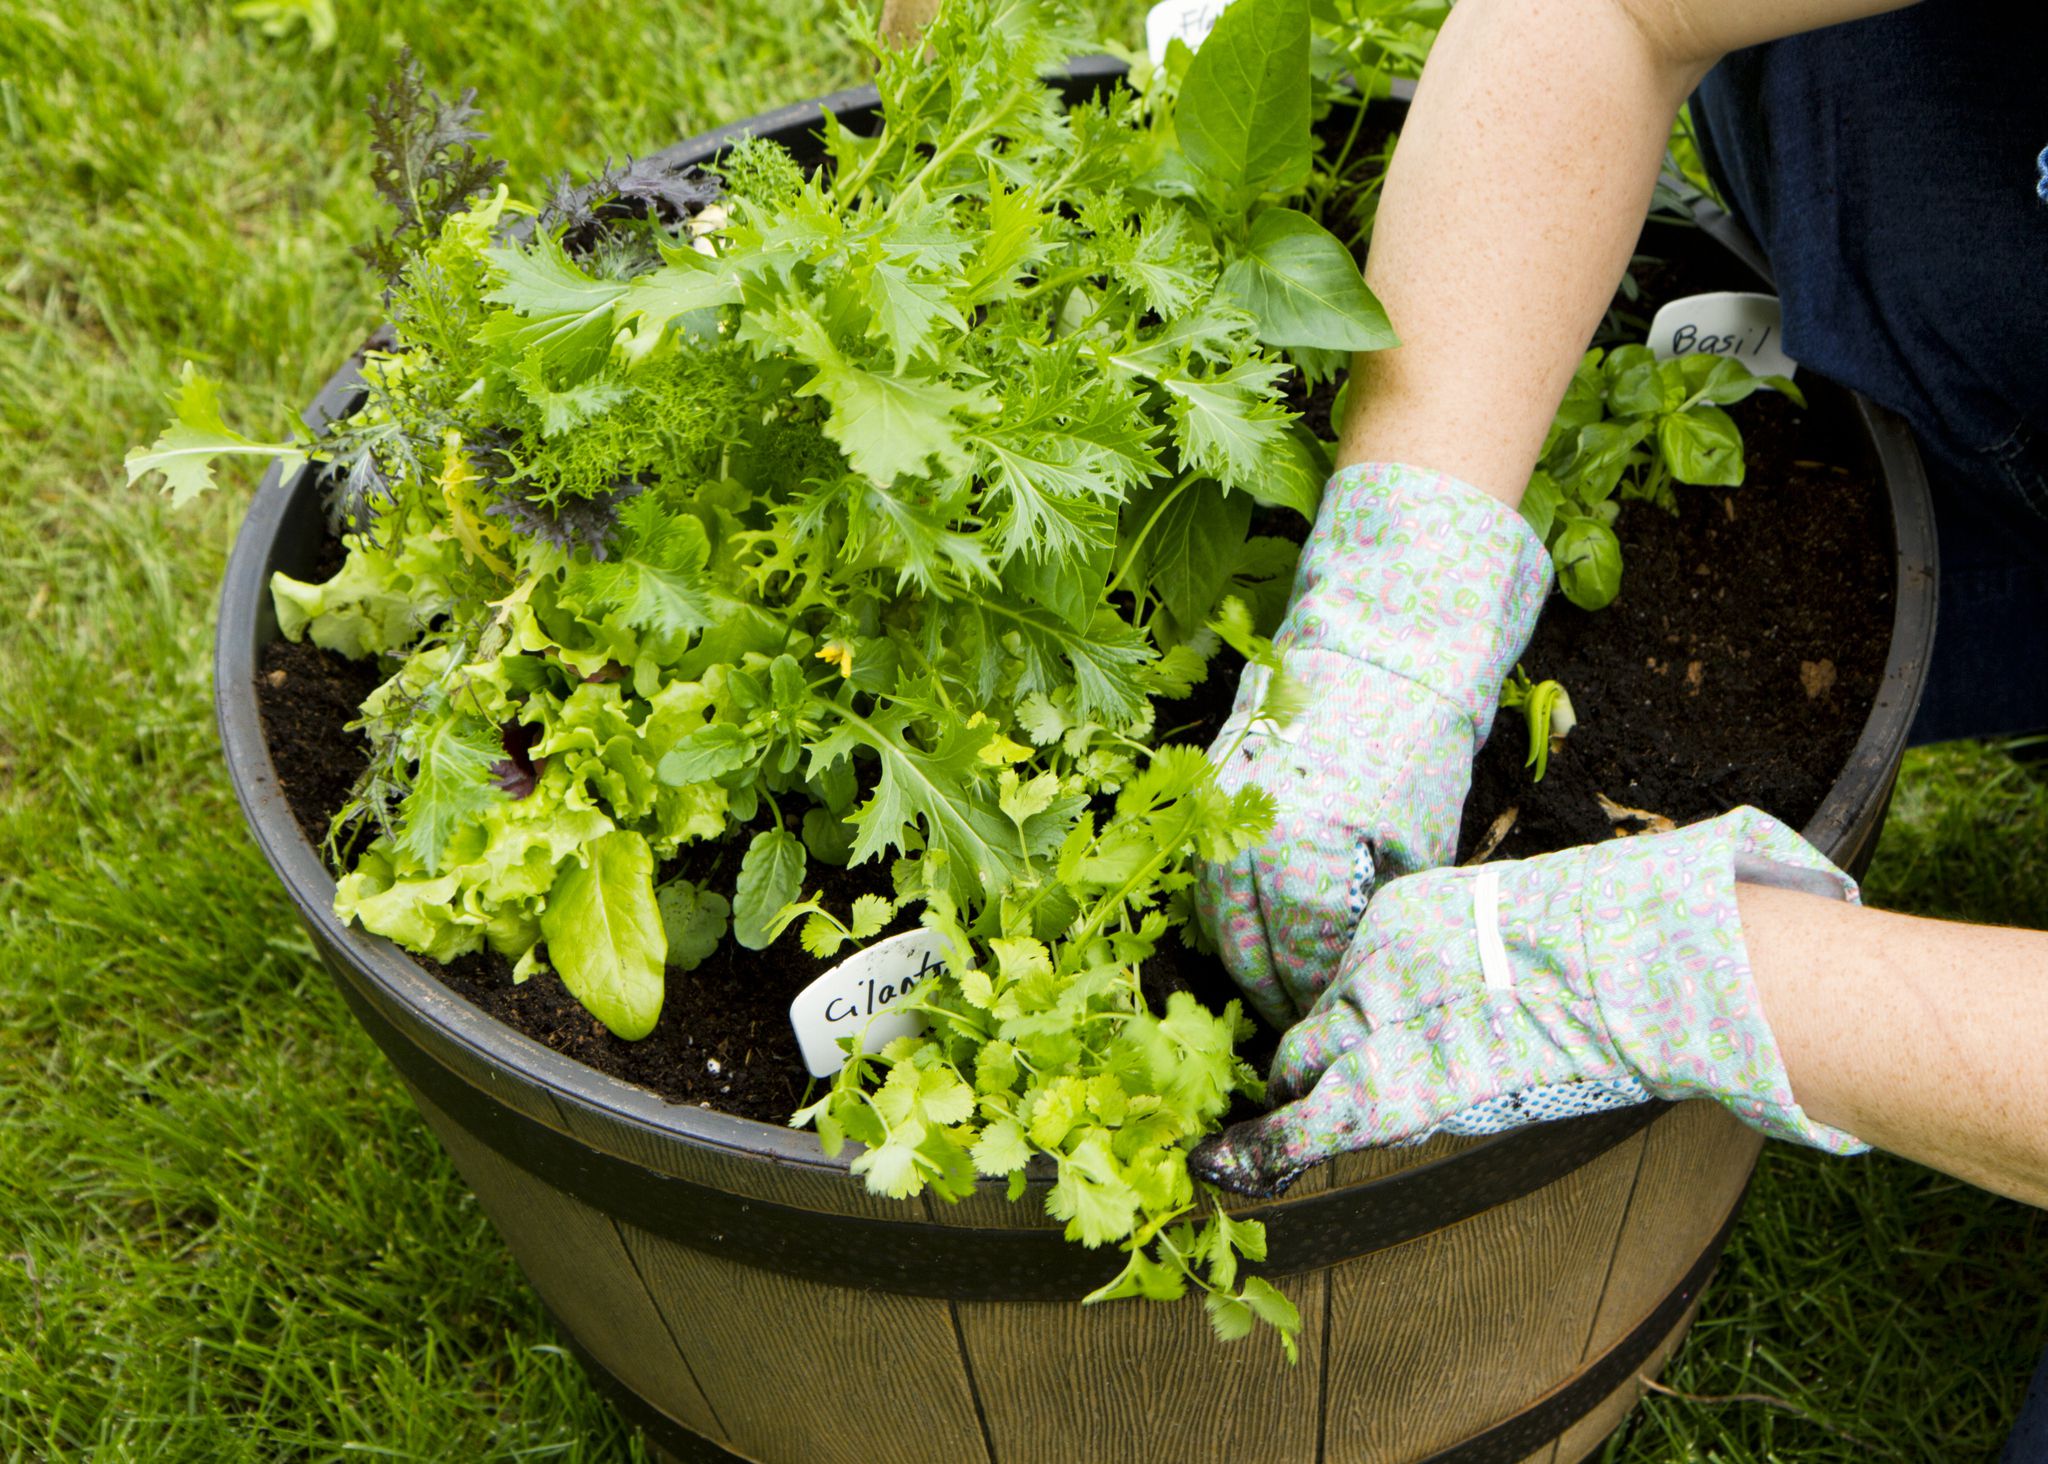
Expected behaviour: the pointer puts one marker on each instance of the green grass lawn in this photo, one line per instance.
(223, 1234)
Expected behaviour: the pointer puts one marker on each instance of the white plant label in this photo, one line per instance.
(1185, 20)
(1747, 326)
(855, 997)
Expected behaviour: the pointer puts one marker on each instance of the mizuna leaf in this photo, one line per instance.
(686, 282)
(553, 308)
(1226, 426)
(604, 933)
(886, 425)
(658, 583)
(907, 311)
(1244, 106)
(941, 791)
(456, 755)
(1100, 659)
(184, 451)
(1303, 287)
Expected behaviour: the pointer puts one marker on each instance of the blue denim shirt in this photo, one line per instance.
(1893, 169)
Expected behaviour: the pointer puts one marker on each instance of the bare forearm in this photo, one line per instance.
(1922, 1037)
(1515, 197)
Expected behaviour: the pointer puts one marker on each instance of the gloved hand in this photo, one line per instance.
(1477, 1000)
(1415, 597)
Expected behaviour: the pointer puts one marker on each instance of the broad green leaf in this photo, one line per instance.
(694, 921)
(1723, 380)
(771, 876)
(1243, 116)
(1597, 457)
(1195, 538)
(1701, 446)
(707, 753)
(1540, 502)
(184, 452)
(1303, 287)
(1588, 560)
(828, 836)
(604, 933)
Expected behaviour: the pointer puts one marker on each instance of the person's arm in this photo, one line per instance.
(1524, 170)
(1919, 1036)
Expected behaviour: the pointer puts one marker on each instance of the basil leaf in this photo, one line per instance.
(1244, 107)
(605, 935)
(771, 876)
(1701, 446)
(1539, 503)
(1303, 287)
(1588, 563)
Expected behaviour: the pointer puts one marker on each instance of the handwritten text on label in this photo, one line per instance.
(856, 996)
(1184, 20)
(1726, 323)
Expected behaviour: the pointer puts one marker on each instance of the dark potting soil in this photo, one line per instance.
(1737, 666)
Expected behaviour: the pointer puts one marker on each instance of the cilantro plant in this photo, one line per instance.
(1631, 426)
(870, 512)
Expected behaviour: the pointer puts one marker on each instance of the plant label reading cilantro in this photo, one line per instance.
(1179, 20)
(1749, 327)
(856, 996)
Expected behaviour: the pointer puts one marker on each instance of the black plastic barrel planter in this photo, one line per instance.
(742, 1296)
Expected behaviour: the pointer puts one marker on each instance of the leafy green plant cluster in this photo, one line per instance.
(866, 512)
(1630, 427)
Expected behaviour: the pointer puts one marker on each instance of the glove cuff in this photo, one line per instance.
(1670, 970)
(1421, 574)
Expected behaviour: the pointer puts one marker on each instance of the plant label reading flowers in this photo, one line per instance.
(1179, 20)
(1749, 327)
(857, 995)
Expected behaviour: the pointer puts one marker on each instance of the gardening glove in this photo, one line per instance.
(1414, 598)
(1477, 1000)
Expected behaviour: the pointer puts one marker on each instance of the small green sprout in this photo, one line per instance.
(1547, 707)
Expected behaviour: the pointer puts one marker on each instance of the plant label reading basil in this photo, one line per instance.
(1179, 20)
(854, 999)
(1749, 327)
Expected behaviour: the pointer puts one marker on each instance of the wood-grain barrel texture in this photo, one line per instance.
(1438, 1347)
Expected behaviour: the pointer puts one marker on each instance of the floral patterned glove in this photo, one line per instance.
(1415, 596)
(1475, 1000)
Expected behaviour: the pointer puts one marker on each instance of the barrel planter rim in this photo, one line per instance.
(375, 972)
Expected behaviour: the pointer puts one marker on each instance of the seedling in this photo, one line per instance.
(1547, 710)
